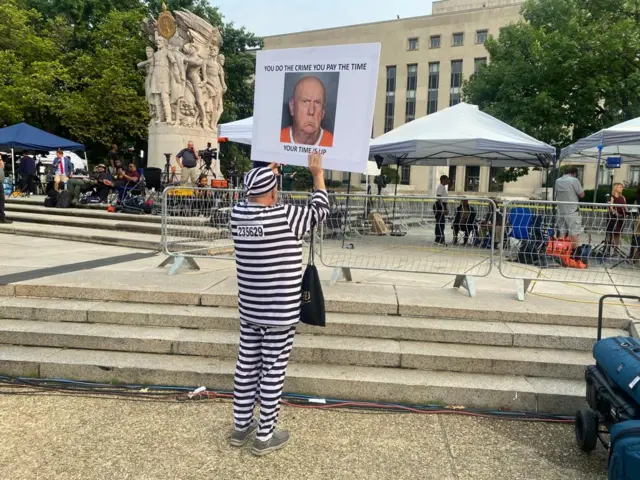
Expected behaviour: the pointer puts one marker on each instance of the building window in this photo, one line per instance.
(434, 84)
(405, 174)
(458, 39)
(412, 85)
(495, 185)
(412, 44)
(604, 177)
(452, 178)
(456, 82)
(434, 41)
(481, 36)
(345, 177)
(472, 179)
(390, 99)
(634, 177)
(478, 63)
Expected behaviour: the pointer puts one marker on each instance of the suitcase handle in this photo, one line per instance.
(601, 307)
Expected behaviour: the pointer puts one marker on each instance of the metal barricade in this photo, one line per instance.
(583, 243)
(414, 234)
(196, 223)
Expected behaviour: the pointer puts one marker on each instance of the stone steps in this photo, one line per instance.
(334, 381)
(113, 223)
(84, 211)
(144, 241)
(181, 335)
(384, 327)
(315, 349)
(38, 201)
(345, 298)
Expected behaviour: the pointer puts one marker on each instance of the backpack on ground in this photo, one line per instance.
(624, 454)
(50, 202)
(133, 205)
(533, 252)
(63, 200)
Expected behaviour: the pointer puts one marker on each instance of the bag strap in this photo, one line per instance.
(311, 248)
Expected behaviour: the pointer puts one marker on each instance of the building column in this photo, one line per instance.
(484, 180)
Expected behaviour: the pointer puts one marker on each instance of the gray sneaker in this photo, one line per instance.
(276, 442)
(239, 439)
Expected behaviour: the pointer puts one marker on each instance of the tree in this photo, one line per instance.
(69, 67)
(568, 69)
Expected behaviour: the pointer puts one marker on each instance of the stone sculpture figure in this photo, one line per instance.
(213, 86)
(185, 81)
(221, 60)
(147, 65)
(178, 81)
(161, 81)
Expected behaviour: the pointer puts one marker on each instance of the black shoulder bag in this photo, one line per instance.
(312, 310)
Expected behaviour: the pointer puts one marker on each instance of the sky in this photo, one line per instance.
(272, 17)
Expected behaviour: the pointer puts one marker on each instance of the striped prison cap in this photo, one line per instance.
(259, 181)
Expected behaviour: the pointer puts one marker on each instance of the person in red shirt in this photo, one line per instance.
(308, 108)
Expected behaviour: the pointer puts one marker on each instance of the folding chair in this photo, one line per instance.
(520, 222)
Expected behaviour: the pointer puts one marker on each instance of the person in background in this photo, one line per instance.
(127, 178)
(617, 215)
(464, 221)
(440, 209)
(63, 170)
(381, 182)
(288, 178)
(269, 298)
(569, 189)
(113, 158)
(27, 173)
(3, 218)
(188, 158)
(490, 231)
(132, 175)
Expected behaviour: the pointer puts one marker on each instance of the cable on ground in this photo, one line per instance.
(10, 385)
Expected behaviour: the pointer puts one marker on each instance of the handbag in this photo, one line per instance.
(312, 310)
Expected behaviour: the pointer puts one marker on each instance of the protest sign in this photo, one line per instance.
(315, 99)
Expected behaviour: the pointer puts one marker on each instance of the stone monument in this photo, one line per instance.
(184, 85)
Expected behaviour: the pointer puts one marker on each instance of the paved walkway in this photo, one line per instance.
(34, 264)
(54, 437)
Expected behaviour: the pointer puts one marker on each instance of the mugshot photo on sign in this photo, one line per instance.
(309, 108)
(315, 99)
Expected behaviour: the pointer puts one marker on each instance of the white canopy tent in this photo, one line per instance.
(622, 140)
(461, 135)
(239, 131)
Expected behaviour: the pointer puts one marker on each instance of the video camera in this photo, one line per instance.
(208, 155)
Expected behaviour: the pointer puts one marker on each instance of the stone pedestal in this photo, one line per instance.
(165, 138)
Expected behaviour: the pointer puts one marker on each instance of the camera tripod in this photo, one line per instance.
(206, 169)
(168, 177)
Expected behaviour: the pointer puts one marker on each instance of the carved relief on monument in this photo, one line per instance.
(185, 81)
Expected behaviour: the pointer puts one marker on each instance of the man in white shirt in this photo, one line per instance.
(569, 189)
(440, 209)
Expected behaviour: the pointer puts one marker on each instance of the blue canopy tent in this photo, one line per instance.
(22, 136)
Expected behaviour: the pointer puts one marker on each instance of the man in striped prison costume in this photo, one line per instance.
(268, 247)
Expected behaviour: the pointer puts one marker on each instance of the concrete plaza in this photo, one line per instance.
(71, 437)
(56, 437)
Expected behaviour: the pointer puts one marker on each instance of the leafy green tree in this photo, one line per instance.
(567, 70)
(69, 67)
